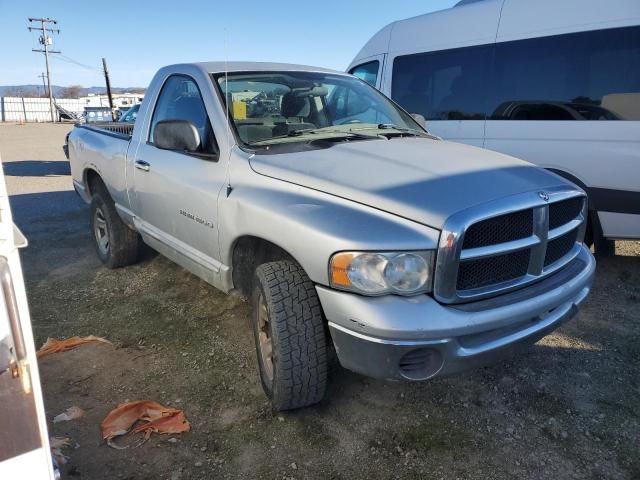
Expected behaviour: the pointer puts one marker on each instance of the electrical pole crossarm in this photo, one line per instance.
(54, 30)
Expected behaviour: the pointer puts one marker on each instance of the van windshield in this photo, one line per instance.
(268, 108)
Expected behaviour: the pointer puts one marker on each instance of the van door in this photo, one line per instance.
(24, 442)
(370, 70)
(437, 66)
(571, 103)
(176, 193)
(448, 88)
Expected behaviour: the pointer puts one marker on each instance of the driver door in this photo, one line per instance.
(176, 192)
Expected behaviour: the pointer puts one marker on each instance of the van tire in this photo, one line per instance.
(287, 315)
(602, 247)
(115, 243)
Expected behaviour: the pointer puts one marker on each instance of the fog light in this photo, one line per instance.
(420, 364)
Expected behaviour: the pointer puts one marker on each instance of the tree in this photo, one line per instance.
(72, 91)
(21, 91)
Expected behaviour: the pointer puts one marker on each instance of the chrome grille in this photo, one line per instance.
(499, 229)
(559, 247)
(564, 211)
(485, 271)
(508, 243)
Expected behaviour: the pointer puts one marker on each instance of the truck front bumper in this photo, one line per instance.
(416, 338)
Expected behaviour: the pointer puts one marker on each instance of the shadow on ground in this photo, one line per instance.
(35, 212)
(36, 168)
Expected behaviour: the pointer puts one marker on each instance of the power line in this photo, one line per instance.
(67, 59)
(46, 40)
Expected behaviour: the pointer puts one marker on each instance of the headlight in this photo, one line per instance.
(403, 273)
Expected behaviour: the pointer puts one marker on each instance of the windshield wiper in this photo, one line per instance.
(295, 133)
(400, 130)
(313, 131)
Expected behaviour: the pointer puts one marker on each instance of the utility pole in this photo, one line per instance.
(44, 87)
(45, 40)
(106, 78)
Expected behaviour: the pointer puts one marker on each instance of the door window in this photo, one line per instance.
(367, 72)
(180, 99)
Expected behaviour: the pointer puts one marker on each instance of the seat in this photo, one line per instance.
(296, 109)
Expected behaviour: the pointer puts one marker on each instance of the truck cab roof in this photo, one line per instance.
(222, 66)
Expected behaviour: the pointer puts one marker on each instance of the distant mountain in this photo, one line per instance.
(34, 89)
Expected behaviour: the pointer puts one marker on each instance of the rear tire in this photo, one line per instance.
(289, 332)
(115, 243)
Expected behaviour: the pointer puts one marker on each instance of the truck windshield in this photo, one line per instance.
(270, 108)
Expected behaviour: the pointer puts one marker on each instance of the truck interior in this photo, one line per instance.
(268, 106)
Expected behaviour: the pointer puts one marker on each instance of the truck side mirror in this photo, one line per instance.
(420, 119)
(179, 135)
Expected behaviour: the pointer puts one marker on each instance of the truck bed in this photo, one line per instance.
(118, 129)
(101, 147)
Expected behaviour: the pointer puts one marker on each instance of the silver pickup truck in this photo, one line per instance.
(344, 221)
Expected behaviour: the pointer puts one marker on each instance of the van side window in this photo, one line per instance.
(180, 99)
(443, 85)
(367, 72)
(591, 75)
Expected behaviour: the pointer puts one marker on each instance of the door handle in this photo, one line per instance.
(20, 365)
(142, 165)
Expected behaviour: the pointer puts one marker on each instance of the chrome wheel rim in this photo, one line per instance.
(101, 231)
(265, 344)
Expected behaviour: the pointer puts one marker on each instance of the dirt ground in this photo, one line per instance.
(568, 407)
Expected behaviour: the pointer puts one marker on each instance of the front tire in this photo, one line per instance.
(602, 247)
(115, 243)
(289, 332)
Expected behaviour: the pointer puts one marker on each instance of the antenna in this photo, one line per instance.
(227, 101)
(226, 85)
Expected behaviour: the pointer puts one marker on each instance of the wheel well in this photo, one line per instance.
(593, 225)
(573, 179)
(93, 182)
(594, 234)
(248, 253)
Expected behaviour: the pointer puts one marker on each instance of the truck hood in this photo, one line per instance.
(416, 178)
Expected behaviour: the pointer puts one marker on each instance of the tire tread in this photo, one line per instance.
(298, 329)
(124, 242)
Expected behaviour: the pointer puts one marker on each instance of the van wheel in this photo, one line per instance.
(289, 332)
(602, 247)
(116, 244)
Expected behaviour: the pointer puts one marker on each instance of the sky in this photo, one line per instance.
(139, 37)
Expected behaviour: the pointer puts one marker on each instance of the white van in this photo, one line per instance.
(554, 82)
(25, 452)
